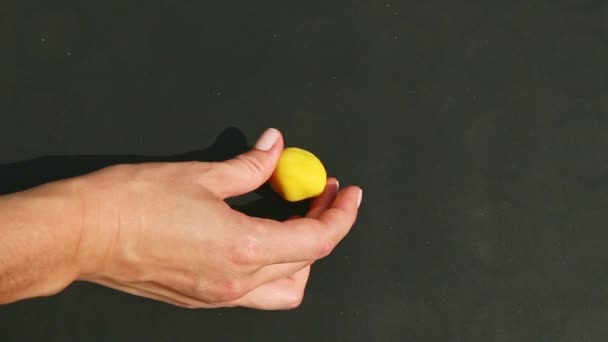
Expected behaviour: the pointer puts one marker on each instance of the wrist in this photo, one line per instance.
(97, 233)
(40, 237)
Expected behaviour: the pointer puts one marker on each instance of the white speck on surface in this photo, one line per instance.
(43, 39)
(341, 313)
(68, 53)
(388, 5)
(334, 77)
(395, 13)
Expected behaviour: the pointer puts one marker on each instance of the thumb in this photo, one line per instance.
(248, 171)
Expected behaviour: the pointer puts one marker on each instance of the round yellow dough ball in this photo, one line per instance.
(299, 175)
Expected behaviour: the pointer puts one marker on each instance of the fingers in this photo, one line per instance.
(343, 211)
(277, 271)
(247, 171)
(309, 238)
(319, 204)
(282, 294)
(317, 207)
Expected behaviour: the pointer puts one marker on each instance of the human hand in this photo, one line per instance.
(163, 231)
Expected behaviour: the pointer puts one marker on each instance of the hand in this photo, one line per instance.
(163, 231)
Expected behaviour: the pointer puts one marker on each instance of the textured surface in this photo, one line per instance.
(476, 128)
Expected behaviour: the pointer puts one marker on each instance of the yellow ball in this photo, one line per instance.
(299, 175)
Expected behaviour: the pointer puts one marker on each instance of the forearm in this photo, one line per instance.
(39, 239)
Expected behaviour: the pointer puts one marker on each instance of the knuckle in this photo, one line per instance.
(200, 290)
(227, 291)
(294, 300)
(246, 251)
(251, 164)
(325, 249)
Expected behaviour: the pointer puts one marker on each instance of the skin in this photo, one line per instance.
(163, 231)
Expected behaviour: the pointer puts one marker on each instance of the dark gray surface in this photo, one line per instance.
(477, 130)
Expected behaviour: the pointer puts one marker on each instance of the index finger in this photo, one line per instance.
(307, 239)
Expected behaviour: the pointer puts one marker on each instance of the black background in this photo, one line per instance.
(477, 130)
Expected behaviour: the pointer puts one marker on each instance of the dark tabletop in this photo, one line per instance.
(477, 129)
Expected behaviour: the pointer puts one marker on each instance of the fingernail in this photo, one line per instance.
(267, 139)
(360, 198)
(333, 185)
